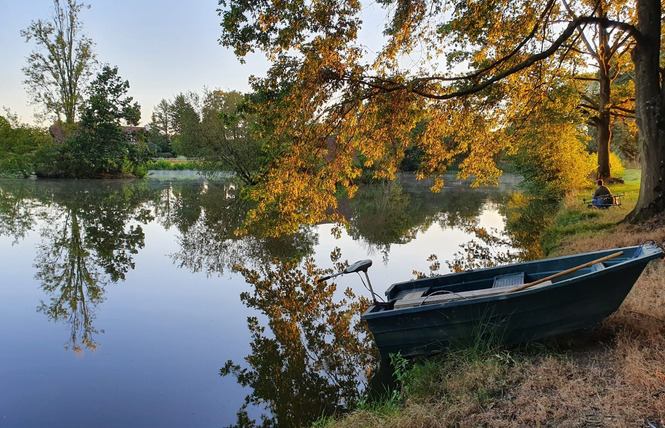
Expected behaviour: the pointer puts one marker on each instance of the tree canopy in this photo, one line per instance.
(62, 61)
(471, 71)
(101, 146)
(218, 128)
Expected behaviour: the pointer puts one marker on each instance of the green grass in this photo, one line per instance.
(165, 165)
(575, 218)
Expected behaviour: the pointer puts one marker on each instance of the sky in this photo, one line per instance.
(163, 47)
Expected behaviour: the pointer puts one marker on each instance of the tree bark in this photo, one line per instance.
(649, 111)
(604, 135)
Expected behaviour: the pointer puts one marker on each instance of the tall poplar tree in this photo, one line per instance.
(62, 61)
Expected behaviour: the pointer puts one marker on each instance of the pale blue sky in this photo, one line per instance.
(163, 47)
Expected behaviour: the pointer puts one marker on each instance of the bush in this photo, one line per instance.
(164, 165)
(556, 165)
(616, 166)
(140, 171)
(20, 145)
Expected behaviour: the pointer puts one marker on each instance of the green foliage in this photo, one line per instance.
(100, 146)
(20, 146)
(164, 165)
(402, 373)
(624, 140)
(228, 135)
(217, 128)
(161, 128)
(62, 61)
(185, 121)
(140, 171)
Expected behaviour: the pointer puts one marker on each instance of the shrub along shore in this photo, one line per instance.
(609, 375)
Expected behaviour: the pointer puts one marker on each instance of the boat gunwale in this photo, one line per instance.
(652, 253)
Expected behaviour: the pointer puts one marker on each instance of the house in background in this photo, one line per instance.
(61, 132)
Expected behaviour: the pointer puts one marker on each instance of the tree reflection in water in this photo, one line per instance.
(16, 208)
(394, 212)
(526, 218)
(89, 239)
(211, 242)
(519, 241)
(311, 353)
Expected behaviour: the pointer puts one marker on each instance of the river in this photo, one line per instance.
(134, 303)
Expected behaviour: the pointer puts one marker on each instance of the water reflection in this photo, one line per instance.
(89, 240)
(16, 217)
(210, 242)
(310, 354)
(526, 218)
(390, 213)
(310, 351)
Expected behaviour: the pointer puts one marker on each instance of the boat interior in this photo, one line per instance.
(433, 293)
(507, 279)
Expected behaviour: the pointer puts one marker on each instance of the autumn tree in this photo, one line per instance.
(369, 104)
(62, 62)
(611, 96)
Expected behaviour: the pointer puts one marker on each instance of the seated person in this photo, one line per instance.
(602, 197)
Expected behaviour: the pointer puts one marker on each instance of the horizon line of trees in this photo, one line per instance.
(316, 130)
(220, 128)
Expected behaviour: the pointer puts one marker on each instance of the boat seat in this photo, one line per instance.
(413, 294)
(508, 280)
(598, 266)
(448, 296)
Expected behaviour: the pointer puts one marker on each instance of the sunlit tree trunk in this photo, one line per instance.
(649, 111)
(604, 134)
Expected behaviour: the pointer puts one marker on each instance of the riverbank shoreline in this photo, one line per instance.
(609, 375)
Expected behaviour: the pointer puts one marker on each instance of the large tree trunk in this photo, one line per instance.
(649, 112)
(604, 134)
(603, 137)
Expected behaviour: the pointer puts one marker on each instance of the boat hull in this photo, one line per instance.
(571, 304)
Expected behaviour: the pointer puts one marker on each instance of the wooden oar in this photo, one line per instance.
(565, 272)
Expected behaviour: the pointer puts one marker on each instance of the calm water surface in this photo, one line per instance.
(120, 304)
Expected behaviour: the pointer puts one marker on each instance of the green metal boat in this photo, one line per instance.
(512, 304)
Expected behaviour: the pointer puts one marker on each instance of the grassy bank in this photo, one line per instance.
(612, 375)
(172, 164)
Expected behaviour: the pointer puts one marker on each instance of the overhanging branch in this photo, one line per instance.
(419, 85)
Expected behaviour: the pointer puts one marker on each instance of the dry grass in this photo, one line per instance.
(609, 376)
